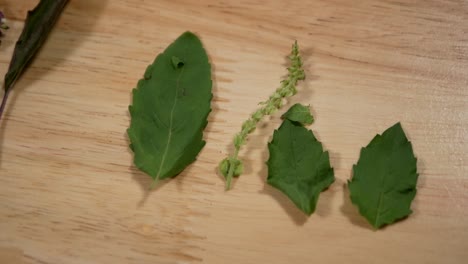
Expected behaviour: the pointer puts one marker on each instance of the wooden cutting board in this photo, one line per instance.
(69, 192)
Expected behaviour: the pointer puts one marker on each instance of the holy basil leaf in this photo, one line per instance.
(170, 108)
(38, 25)
(384, 179)
(298, 166)
(299, 113)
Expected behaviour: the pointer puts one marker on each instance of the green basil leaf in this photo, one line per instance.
(170, 108)
(384, 179)
(298, 166)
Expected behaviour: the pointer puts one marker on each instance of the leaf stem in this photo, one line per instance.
(154, 183)
(4, 101)
(232, 168)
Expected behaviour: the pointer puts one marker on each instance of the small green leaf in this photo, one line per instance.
(170, 108)
(384, 179)
(298, 166)
(299, 113)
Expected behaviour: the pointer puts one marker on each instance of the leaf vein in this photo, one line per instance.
(171, 119)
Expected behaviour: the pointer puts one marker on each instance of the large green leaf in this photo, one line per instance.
(384, 179)
(170, 108)
(298, 166)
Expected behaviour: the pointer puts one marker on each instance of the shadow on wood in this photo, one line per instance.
(215, 109)
(352, 212)
(299, 217)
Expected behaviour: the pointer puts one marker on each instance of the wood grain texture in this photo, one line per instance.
(70, 194)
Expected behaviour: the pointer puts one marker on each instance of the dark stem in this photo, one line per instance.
(4, 100)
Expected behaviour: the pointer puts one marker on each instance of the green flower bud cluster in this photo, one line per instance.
(232, 167)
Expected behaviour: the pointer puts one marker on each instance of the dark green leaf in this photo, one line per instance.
(299, 113)
(38, 25)
(170, 108)
(298, 166)
(384, 179)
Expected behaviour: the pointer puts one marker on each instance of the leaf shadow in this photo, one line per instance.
(299, 217)
(324, 203)
(421, 169)
(72, 17)
(352, 212)
(421, 183)
(216, 109)
(335, 158)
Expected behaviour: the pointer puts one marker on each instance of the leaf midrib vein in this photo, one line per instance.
(171, 117)
(381, 195)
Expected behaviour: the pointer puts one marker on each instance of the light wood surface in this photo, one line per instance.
(70, 194)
